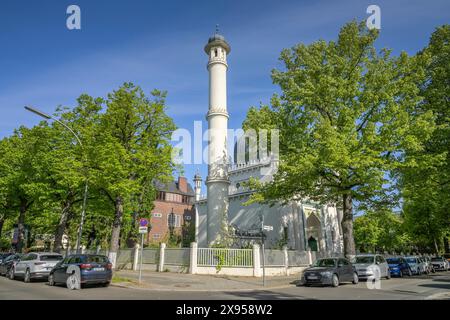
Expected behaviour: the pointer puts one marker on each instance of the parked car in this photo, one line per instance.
(371, 265)
(3, 256)
(330, 271)
(416, 264)
(440, 263)
(399, 267)
(76, 270)
(9, 263)
(447, 256)
(35, 265)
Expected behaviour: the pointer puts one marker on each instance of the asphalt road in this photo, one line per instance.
(419, 287)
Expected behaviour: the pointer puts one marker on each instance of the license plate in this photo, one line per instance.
(99, 269)
(312, 277)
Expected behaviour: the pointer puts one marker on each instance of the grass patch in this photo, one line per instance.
(117, 279)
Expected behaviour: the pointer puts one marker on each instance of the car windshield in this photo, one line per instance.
(393, 261)
(411, 260)
(366, 259)
(325, 263)
(96, 259)
(51, 257)
(436, 259)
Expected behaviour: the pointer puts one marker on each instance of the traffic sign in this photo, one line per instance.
(143, 225)
(268, 228)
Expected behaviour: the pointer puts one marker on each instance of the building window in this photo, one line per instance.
(161, 196)
(173, 197)
(157, 215)
(177, 220)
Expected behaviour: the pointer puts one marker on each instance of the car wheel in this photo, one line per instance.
(11, 274)
(51, 280)
(388, 276)
(355, 278)
(106, 284)
(27, 276)
(335, 281)
(73, 283)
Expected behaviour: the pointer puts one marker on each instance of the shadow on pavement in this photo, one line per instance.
(436, 285)
(267, 295)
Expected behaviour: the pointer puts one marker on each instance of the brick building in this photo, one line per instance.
(177, 197)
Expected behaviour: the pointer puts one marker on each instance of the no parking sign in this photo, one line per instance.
(143, 225)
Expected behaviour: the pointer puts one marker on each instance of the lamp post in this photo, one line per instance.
(83, 210)
(171, 224)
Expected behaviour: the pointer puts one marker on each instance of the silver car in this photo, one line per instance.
(35, 265)
(371, 266)
(417, 265)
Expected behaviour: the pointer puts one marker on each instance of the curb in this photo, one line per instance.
(122, 285)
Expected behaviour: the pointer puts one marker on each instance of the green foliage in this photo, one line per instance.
(125, 147)
(380, 231)
(426, 185)
(346, 115)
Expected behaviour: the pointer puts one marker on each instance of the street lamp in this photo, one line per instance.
(83, 210)
(171, 223)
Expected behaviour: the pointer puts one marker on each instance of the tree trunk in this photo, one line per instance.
(62, 225)
(117, 224)
(21, 225)
(347, 227)
(436, 247)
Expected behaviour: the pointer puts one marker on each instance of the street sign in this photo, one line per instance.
(143, 225)
(268, 228)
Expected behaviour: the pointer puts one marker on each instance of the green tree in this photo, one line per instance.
(380, 230)
(426, 186)
(132, 149)
(346, 115)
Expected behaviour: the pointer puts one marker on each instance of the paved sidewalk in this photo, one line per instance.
(172, 281)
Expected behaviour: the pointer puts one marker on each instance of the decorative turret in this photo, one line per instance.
(197, 186)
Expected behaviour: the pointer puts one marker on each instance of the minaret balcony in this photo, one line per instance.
(217, 112)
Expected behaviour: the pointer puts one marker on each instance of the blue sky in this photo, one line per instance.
(159, 44)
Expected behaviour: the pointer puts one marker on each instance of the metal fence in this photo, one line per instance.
(212, 257)
(179, 257)
(273, 258)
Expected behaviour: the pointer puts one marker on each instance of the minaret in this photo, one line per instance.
(197, 186)
(217, 181)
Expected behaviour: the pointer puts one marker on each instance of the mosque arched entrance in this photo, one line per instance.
(313, 232)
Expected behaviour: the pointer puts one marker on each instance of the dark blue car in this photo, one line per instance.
(399, 267)
(79, 269)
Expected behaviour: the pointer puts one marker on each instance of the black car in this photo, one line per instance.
(79, 269)
(330, 271)
(9, 263)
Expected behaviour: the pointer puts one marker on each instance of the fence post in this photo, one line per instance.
(256, 261)
(309, 256)
(162, 250)
(286, 260)
(136, 257)
(193, 258)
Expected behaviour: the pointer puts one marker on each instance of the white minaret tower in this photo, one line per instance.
(217, 181)
(197, 186)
